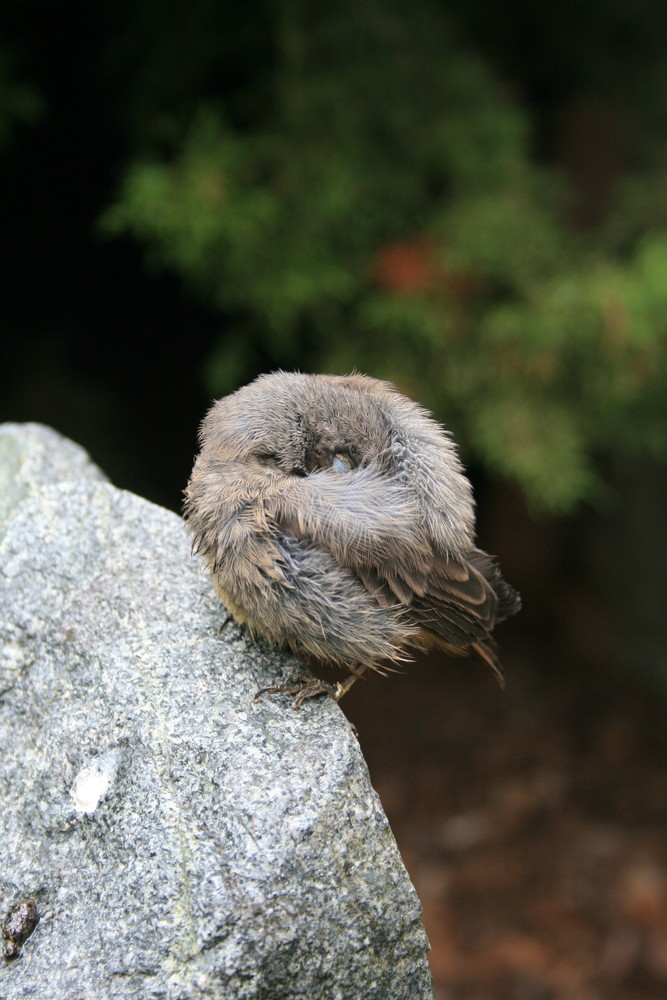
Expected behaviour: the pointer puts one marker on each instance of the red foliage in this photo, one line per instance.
(416, 266)
(407, 266)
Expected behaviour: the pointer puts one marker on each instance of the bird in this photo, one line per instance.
(337, 521)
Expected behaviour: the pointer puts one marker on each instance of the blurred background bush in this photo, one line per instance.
(469, 199)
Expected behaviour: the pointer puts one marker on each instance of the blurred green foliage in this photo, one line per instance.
(19, 102)
(365, 196)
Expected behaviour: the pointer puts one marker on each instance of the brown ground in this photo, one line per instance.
(533, 823)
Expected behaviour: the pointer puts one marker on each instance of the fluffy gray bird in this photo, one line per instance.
(337, 521)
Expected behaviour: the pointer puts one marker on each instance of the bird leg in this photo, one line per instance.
(344, 686)
(301, 686)
(304, 687)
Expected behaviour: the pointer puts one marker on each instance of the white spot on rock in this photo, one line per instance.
(94, 781)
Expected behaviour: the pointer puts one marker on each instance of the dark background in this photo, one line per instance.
(532, 820)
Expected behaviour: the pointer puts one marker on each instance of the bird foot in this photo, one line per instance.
(303, 687)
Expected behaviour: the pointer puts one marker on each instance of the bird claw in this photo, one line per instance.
(227, 621)
(303, 687)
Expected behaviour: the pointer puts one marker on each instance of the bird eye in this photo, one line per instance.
(341, 463)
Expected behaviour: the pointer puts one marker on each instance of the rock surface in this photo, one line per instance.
(32, 456)
(179, 840)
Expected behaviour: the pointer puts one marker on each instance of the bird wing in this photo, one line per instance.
(455, 601)
(373, 528)
(448, 597)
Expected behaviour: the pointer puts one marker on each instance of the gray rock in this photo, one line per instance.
(179, 839)
(32, 455)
